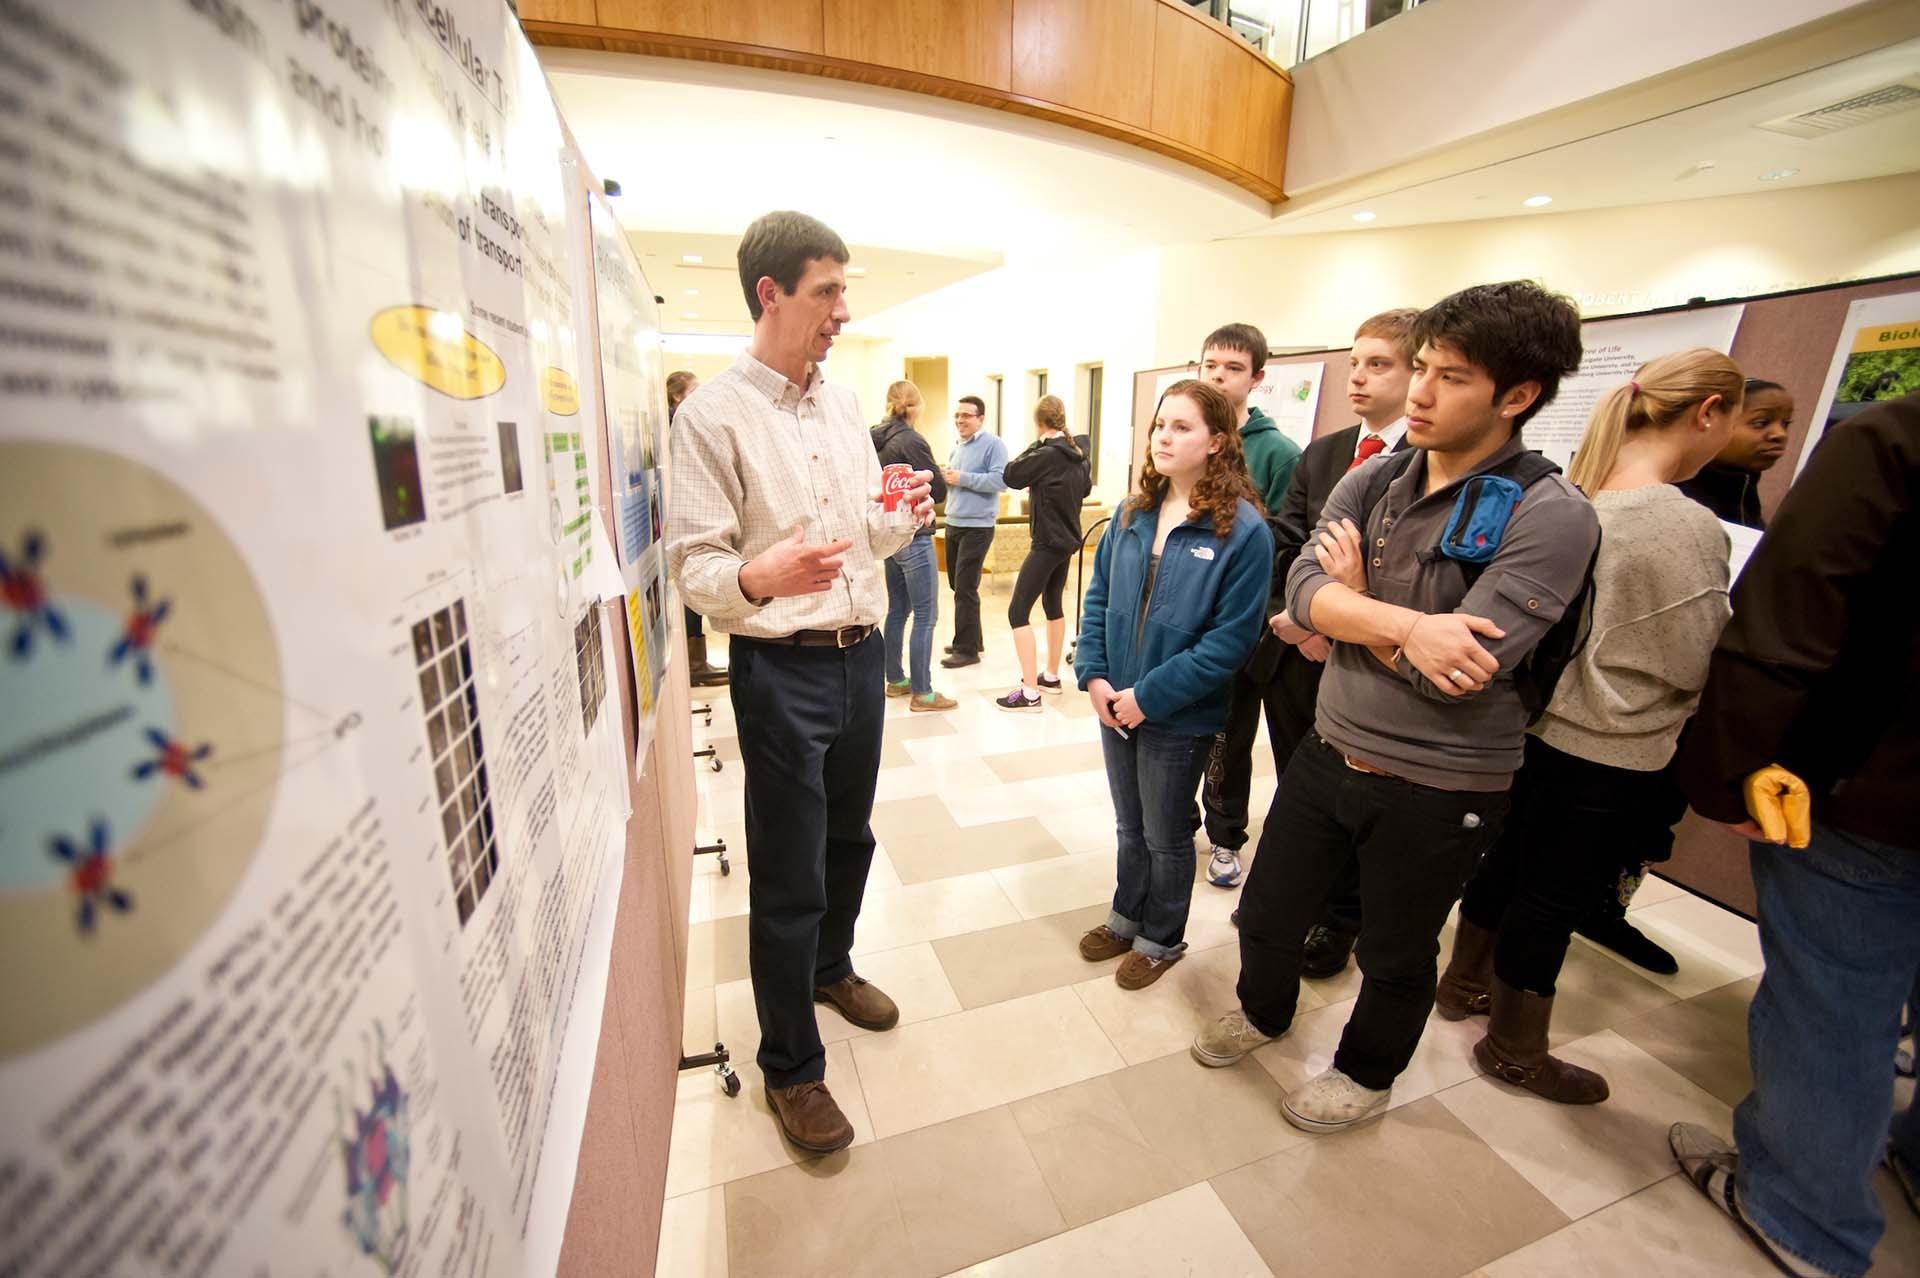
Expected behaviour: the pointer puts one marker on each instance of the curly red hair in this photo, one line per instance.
(1225, 481)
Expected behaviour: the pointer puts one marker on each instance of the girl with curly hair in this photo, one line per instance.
(1176, 602)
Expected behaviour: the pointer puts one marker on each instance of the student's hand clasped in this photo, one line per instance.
(792, 567)
(1442, 647)
(1126, 711)
(1341, 555)
(1100, 693)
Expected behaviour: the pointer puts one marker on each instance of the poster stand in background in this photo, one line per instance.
(1877, 358)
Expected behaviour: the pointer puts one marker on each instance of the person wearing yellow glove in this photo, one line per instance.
(1807, 743)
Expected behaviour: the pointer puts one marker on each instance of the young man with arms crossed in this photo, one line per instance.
(1234, 359)
(1420, 720)
(1380, 369)
(974, 484)
(775, 533)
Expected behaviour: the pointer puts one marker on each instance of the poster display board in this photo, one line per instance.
(314, 792)
(1877, 358)
(1615, 349)
(1290, 394)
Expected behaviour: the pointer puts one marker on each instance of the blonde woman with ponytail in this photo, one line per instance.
(1596, 793)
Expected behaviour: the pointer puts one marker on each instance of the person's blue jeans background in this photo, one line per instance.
(1840, 932)
(1152, 776)
(912, 586)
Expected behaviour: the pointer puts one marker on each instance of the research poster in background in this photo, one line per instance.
(1290, 394)
(314, 793)
(1615, 350)
(1877, 358)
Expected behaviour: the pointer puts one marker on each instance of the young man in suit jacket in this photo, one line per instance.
(1381, 366)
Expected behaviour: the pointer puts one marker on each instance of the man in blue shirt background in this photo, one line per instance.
(974, 485)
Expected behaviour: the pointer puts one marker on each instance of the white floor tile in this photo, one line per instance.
(926, 911)
(1189, 1231)
(693, 1236)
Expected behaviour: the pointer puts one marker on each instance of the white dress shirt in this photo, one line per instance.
(753, 456)
(1389, 438)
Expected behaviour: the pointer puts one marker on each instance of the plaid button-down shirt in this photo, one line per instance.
(754, 456)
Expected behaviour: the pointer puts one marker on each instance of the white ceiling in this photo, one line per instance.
(912, 183)
(1650, 162)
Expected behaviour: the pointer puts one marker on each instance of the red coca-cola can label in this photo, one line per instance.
(895, 481)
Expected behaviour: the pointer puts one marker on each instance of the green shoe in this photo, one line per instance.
(901, 689)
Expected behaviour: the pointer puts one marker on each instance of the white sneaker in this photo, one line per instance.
(1223, 1042)
(1223, 868)
(1332, 1101)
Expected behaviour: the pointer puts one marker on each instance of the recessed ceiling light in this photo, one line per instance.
(691, 259)
(691, 292)
(856, 270)
(1776, 175)
(1365, 215)
(1535, 201)
(689, 314)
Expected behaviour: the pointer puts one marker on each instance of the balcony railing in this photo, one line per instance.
(1291, 31)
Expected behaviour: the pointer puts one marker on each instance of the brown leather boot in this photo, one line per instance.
(1462, 989)
(861, 1002)
(1515, 1049)
(810, 1117)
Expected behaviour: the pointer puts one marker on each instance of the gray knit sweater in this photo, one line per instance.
(1659, 601)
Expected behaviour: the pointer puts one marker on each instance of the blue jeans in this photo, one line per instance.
(912, 586)
(1152, 776)
(1840, 930)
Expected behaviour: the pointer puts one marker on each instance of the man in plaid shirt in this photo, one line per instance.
(775, 535)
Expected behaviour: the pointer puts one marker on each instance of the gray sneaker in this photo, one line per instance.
(1223, 1042)
(1332, 1101)
(1714, 1168)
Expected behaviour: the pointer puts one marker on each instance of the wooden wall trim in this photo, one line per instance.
(1224, 107)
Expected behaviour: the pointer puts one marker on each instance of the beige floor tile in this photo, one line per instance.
(921, 1074)
(717, 1138)
(1040, 888)
(1434, 1200)
(1206, 1121)
(1095, 1158)
(716, 952)
(1048, 761)
(881, 876)
(924, 843)
(1442, 1059)
(833, 1216)
(693, 1236)
(1595, 993)
(957, 747)
(1654, 890)
(1898, 1255)
(1035, 798)
(967, 1189)
(969, 777)
(1186, 1232)
(1703, 1039)
(1164, 1017)
(925, 911)
(1086, 826)
(921, 727)
(1000, 963)
(1666, 1229)
(699, 1021)
(1583, 1157)
(911, 976)
(1720, 933)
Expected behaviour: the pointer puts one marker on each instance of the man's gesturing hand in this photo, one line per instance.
(792, 567)
(1441, 646)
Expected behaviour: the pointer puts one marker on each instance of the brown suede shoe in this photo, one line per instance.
(1099, 945)
(810, 1117)
(1137, 971)
(861, 1002)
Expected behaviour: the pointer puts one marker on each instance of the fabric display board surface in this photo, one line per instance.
(314, 795)
(1877, 357)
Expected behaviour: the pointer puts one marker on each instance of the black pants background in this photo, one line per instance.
(810, 732)
(1043, 576)
(1229, 776)
(966, 552)
(1414, 847)
(1575, 826)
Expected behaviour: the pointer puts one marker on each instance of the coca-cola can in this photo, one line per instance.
(896, 481)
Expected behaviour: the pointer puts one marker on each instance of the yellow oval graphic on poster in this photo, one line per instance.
(433, 347)
(559, 392)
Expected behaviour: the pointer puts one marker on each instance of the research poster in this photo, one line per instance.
(1877, 358)
(314, 793)
(1615, 350)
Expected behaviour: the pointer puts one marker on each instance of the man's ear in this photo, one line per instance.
(1258, 377)
(1517, 399)
(767, 290)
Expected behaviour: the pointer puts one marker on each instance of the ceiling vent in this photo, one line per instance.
(1861, 108)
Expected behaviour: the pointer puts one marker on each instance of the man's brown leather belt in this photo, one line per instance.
(1361, 765)
(844, 637)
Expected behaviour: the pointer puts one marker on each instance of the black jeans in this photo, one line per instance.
(695, 628)
(966, 552)
(1043, 576)
(1229, 776)
(810, 731)
(1414, 846)
(1576, 825)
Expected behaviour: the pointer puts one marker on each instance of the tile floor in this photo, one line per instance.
(1029, 1117)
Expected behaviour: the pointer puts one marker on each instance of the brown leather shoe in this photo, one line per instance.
(1100, 944)
(861, 1002)
(810, 1117)
(1137, 970)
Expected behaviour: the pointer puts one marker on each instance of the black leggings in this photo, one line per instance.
(1575, 826)
(1043, 576)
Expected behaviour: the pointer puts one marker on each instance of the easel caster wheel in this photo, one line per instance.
(729, 1080)
(725, 867)
(714, 763)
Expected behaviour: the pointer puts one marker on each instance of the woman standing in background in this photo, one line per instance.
(1054, 472)
(913, 584)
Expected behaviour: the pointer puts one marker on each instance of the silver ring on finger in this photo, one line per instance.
(1456, 676)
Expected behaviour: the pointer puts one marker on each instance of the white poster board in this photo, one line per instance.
(1615, 349)
(1290, 394)
(1877, 358)
(313, 788)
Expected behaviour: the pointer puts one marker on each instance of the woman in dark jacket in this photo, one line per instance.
(913, 585)
(1054, 473)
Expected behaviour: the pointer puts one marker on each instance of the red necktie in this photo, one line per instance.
(1370, 446)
